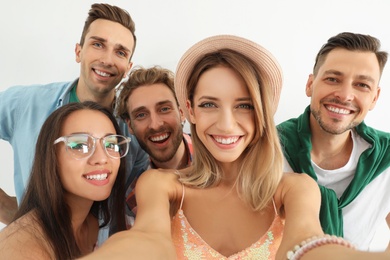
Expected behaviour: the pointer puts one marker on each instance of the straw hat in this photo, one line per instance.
(265, 61)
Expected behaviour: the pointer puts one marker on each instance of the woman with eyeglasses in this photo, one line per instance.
(76, 186)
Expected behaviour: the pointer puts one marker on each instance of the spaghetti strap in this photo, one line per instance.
(182, 186)
(273, 203)
(182, 196)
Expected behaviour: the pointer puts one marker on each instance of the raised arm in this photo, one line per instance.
(150, 237)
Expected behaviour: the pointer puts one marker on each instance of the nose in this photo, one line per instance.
(107, 58)
(226, 120)
(155, 121)
(345, 92)
(99, 155)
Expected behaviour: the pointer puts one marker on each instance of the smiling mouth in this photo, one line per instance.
(229, 140)
(98, 177)
(102, 73)
(336, 110)
(159, 138)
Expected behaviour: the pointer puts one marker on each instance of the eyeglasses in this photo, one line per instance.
(83, 145)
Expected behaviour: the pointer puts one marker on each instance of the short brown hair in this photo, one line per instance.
(138, 77)
(111, 13)
(352, 42)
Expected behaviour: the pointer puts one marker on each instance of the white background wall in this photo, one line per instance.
(38, 39)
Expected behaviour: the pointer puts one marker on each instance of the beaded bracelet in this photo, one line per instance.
(307, 245)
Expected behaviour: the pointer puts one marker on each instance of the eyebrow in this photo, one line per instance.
(141, 108)
(164, 102)
(117, 46)
(360, 77)
(237, 99)
(88, 133)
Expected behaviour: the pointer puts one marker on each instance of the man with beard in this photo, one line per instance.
(148, 103)
(330, 141)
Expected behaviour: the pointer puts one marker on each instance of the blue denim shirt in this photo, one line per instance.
(23, 110)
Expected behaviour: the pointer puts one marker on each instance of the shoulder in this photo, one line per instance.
(297, 180)
(187, 140)
(297, 189)
(366, 132)
(37, 87)
(24, 239)
(287, 124)
(39, 94)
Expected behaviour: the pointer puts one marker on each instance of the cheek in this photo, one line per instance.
(115, 166)
(204, 122)
(173, 120)
(123, 67)
(68, 173)
(139, 127)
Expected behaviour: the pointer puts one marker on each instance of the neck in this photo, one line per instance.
(179, 160)
(104, 99)
(330, 151)
(230, 172)
(85, 226)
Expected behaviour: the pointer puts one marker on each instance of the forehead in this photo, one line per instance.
(222, 82)
(114, 33)
(87, 121)
(357, 62)
(150, 95)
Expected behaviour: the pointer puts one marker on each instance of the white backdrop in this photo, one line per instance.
(38, 40)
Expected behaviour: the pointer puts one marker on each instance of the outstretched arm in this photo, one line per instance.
(8, 207)
(150, 237)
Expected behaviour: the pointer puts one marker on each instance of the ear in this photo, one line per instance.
(129, 66)
(190, 112)
(128, 122)
(378, 92)
(182, 117)
(77, 51)
(309, 85)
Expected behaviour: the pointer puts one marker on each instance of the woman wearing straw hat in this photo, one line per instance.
(234, 202)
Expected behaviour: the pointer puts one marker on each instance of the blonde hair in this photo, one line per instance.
(261, 168)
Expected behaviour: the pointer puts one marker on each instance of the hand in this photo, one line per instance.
(8, 207)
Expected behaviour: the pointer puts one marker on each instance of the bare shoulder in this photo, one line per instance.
(298, 180)
(23, 239)
(297, 188)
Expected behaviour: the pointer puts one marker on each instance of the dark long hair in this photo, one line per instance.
(45, 194)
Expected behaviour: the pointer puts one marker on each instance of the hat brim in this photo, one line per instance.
(266, 64)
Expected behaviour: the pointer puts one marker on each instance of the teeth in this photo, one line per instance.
(98, 177)
(159, 138)
(229, 140)
(339, 110)
(101, 73)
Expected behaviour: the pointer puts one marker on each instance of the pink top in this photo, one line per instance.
(189, 245)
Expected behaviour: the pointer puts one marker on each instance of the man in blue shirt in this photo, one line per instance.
(104, 53)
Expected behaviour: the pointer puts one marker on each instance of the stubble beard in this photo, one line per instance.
(332, 128)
